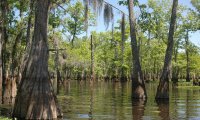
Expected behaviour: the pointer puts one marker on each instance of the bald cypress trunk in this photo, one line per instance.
(3, 40)
(92, 59)
(35, 98)
(163, 87)
(175, 70)
(138, 86)
(58, 77)
(123, 76)
(1, 63)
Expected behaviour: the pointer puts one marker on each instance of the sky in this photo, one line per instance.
(194, 37)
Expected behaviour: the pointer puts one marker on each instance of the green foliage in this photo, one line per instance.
(76, 18)
(67, 22)
(5, 118)
(125, 2)
(196, 4)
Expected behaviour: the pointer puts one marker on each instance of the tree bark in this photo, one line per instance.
(175, 70)
(35, 98)
(123, 76)
(138, 86)
(28, 43)
(163, 87)
(116, 58)
(74, 33)
(92, 59)
(28, 32)
(11, 86)
(58, 77)
(1, 63)
(4, 38)
(13, 53)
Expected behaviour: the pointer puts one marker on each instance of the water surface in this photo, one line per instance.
(112, 101)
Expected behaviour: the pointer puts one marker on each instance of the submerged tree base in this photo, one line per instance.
(37, 101)
(138, 91)
(123, 79)
(163, 90)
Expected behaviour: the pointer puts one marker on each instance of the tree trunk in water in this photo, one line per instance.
(92, 59)
(116, 58)
(138, 86)
(123, 76)
(187, 57)
(163, 87)
(1, 64)
(58, 77)
(35, 98)
(175, 70)
(138, 108)
(139, 49)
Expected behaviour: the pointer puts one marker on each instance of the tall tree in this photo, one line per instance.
(163, 87)
(123, 76)
(3, 40)
(75, 21)
(187, 56)
(35, 98)
(138, 86)
(92, 58)
(1, 45)
(190, 24)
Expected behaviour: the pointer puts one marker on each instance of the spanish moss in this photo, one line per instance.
(108, 15)
(86, 4)
(99, 6)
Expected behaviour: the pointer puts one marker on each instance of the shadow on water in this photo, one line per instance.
(91, 104)
(138, 107)
(163, 108)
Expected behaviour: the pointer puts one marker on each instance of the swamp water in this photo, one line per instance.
(112, 101)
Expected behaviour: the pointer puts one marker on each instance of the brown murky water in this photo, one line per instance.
(112, 101)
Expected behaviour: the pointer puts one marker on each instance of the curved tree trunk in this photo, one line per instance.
(138, 86)
(163, 87)
(35, 98)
